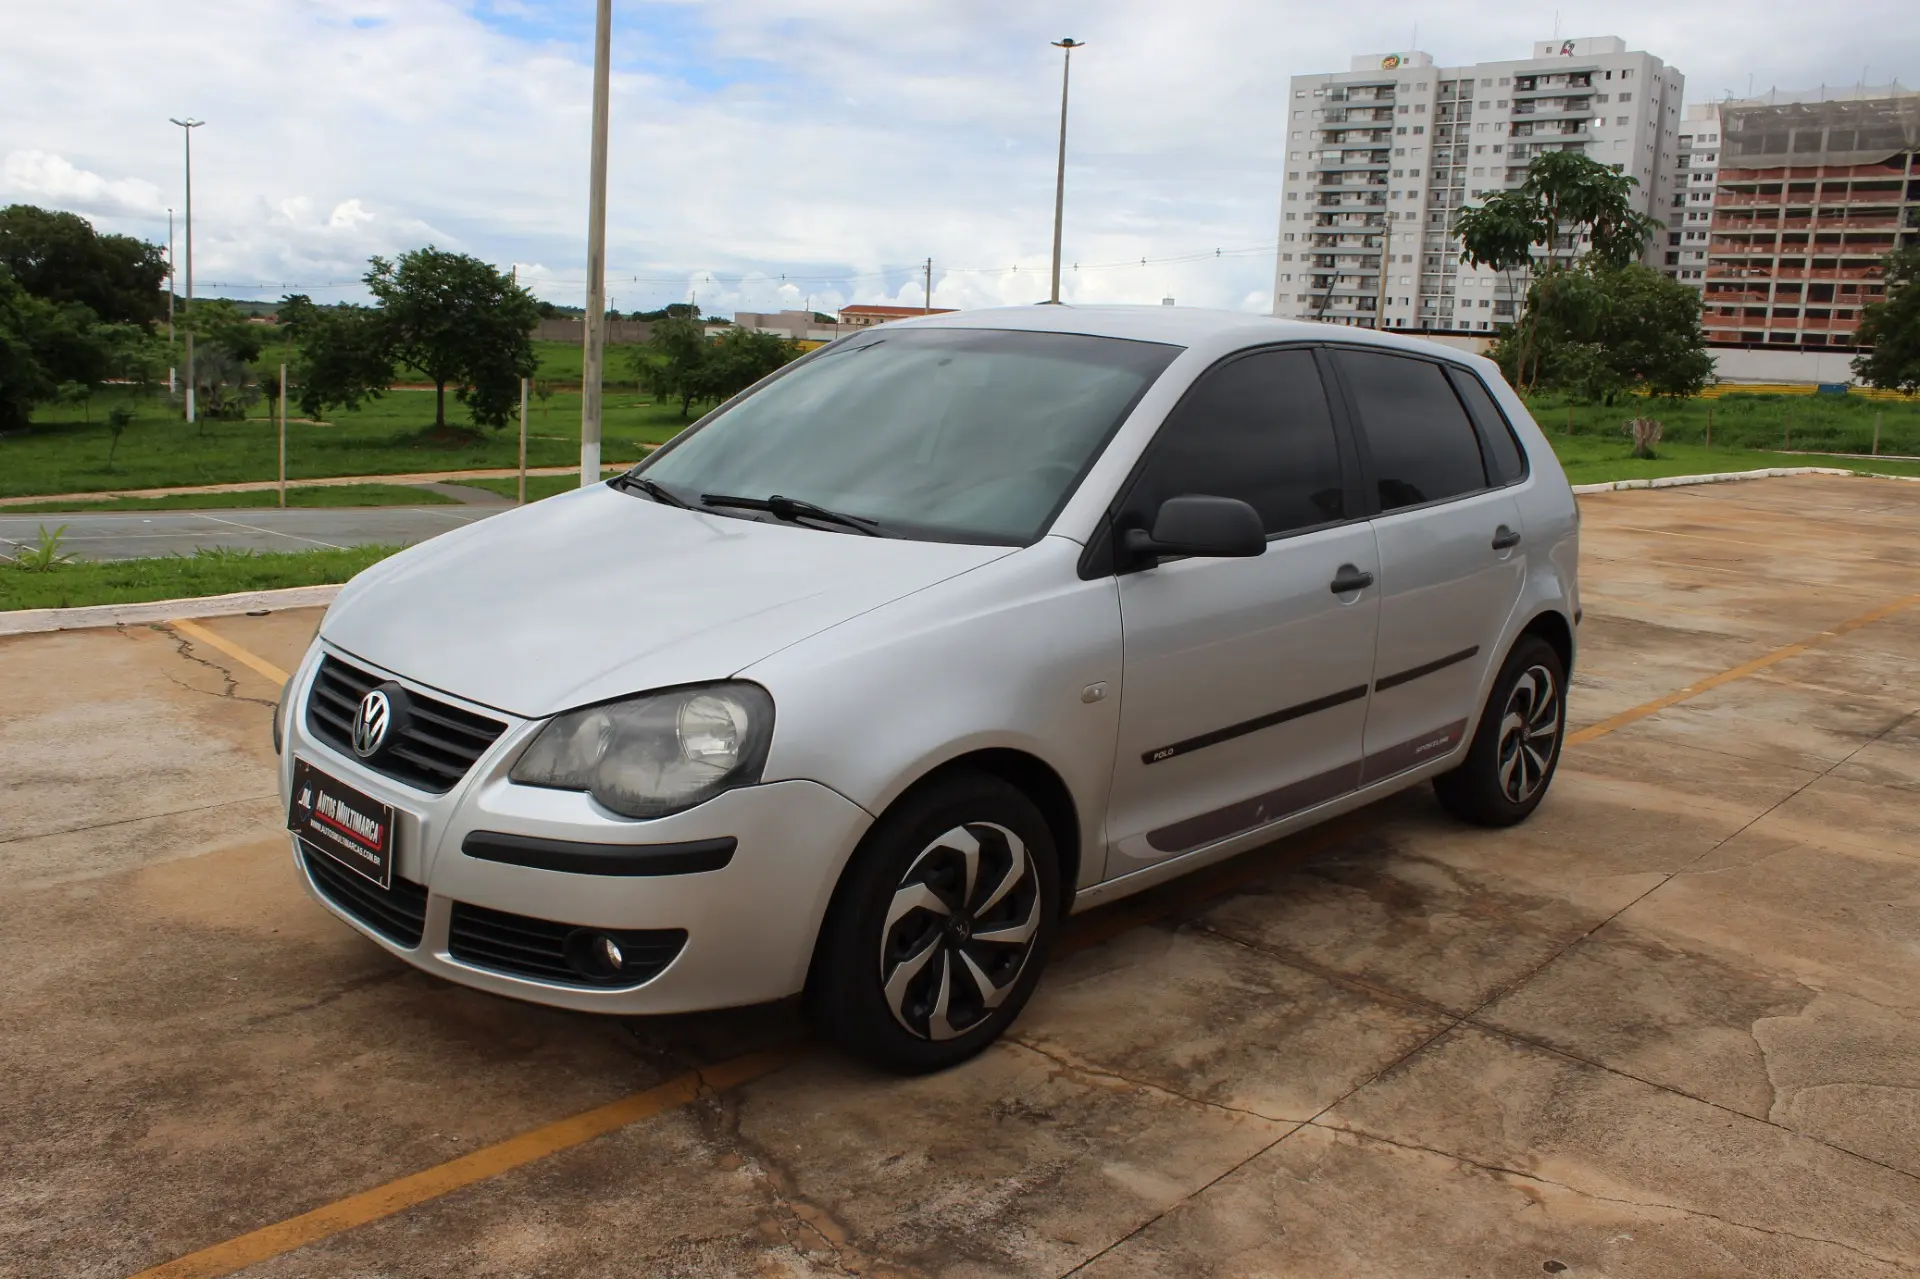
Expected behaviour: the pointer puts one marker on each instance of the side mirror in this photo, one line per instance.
(1208, 527)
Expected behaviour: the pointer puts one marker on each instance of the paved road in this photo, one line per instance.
(137, 535)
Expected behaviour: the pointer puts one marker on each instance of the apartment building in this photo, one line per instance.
(1809, 196)
(1689, 213)
(1382, 158)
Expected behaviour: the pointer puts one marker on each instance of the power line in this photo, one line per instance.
(737, 279)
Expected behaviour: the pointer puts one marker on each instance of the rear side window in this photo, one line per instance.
(1258, 429)
(1505, 462)
(1424, 448)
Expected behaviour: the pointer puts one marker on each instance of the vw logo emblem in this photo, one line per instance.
(371, 724)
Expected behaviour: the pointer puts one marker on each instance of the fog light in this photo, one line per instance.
(595, 955)
(610, 952)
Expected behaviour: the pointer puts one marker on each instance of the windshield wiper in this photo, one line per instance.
(792, 510)
(658, 492)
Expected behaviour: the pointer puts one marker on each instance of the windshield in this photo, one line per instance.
(973, 435)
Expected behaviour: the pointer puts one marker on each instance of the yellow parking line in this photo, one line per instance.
(199, 633)
(490, 1161)
(1761, 663)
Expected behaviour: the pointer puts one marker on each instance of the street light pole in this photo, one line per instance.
(595, 337)
(1060, 178)
(187, 127)
(171, 387)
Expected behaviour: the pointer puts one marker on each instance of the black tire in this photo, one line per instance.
(1517, 746)
(914, 865)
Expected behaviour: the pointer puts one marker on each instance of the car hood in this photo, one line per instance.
(597, 594)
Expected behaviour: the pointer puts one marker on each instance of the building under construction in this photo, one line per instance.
(1809, 199)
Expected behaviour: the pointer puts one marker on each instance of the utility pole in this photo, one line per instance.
(187, 127)
(523, 442)
(1060, 178)
(1386, 260)
(283, 434)
(171, 387)
(928, 308)
(593, 356)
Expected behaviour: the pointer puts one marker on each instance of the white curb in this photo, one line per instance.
(33, 620)
(1723, 477)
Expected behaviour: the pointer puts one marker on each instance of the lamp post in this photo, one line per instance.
(171, 371)
(1060, 179)
(187, 126)
(595, 336)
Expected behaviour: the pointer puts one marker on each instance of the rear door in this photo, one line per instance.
(1245, 680)
(1451, 556)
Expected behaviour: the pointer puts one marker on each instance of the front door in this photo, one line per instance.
(1244, 693)
(1451, 558)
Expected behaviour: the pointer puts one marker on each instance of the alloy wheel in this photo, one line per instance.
(959, 930)
(1529, 732)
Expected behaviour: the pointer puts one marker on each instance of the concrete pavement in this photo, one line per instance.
(1668, 1027)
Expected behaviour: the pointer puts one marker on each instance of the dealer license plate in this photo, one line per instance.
(347, 825)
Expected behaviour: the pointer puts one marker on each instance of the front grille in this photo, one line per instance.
(432, 746)
(398, 914)
(537, 948)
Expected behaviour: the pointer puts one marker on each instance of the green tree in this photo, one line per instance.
(672, 363)
(60, 257)
(1567, 197)
(48, 351)
(342, 354)
(1891, 327)
(1601, 331)
(462, 323)
(740, 357)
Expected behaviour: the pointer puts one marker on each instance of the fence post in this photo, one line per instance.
(1709, 426)
(283, 435)
(523, 441)
(1876, 432)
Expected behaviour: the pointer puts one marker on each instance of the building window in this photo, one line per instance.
(1627, 74)
(1496, 148)
(1419, 128)
(1403, 110)
(1502, 104)
(1626, 97)
(1419, 108)
(1289, 236)
(1620, 120)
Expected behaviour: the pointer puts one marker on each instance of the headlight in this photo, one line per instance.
(657, 753)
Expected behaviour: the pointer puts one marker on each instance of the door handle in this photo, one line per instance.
(1350, 578)
(1505, 539)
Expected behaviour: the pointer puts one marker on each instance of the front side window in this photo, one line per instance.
(1422, 445)
(967, 435)
(1256, 428)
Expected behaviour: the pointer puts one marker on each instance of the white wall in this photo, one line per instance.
(1733, 364)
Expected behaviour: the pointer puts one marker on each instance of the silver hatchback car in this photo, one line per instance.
(947, 630)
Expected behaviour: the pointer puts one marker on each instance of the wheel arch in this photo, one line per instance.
(1552, 626)
(1039, 782)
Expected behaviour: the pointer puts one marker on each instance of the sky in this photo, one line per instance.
(770, 154)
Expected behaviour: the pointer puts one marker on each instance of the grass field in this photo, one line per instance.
(1590, 459)
(179, 577)
(62, 453)
(316, 495)
(1822, 423)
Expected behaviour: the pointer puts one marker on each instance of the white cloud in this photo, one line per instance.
(52, 179)
(759, 138)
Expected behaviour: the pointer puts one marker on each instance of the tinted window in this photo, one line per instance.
(1504, 459)
(1258, 429)
(1423, 446)
(948, 434)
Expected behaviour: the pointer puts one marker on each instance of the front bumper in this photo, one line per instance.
(750, 925)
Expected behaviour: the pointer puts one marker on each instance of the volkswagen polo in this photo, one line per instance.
(946, 631)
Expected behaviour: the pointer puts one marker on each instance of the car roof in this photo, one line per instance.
(1186, 326)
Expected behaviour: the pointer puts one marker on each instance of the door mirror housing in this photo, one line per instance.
(1205, 527)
